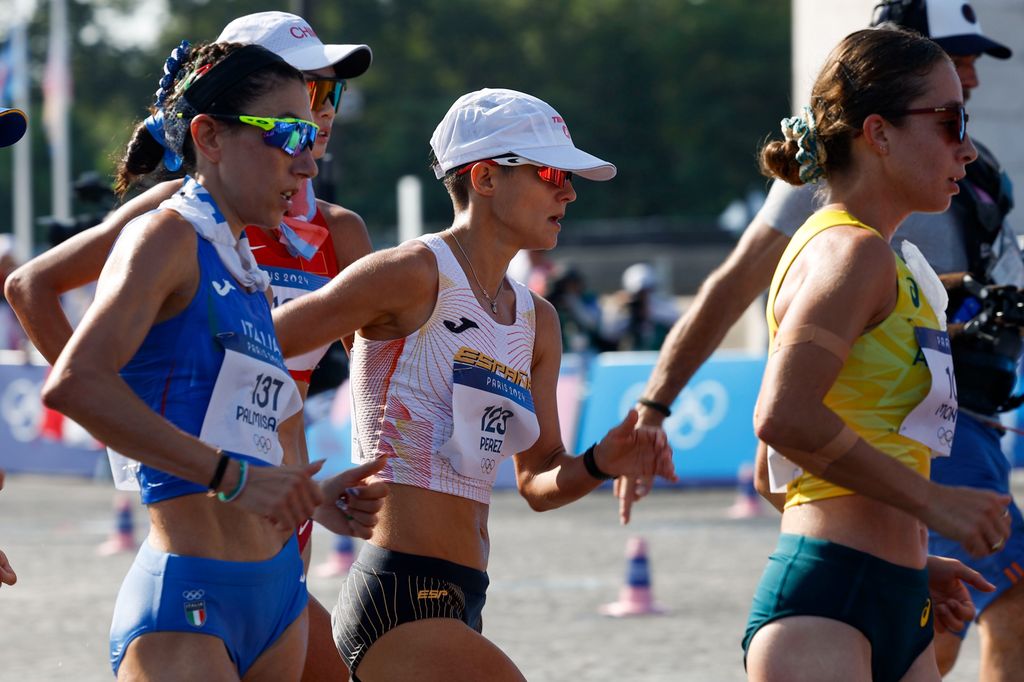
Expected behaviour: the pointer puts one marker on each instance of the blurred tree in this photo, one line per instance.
(677, 93)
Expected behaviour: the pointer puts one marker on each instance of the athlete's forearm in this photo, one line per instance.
(719, 303)
(564, 479)
(41, 316)
(105, 405)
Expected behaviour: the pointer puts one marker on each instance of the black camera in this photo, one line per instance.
(986, 350)
(89, 189)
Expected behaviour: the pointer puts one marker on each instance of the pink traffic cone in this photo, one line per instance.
(340, 559)
(635, 597)
(748, 502)
(123, 537)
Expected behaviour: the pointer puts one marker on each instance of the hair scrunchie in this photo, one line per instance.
(811, 155)
(172, 65)
(155, 125)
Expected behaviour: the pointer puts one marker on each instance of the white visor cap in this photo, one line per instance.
(291, 38)
(495, 122)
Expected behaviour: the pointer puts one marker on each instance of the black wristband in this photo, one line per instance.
(655, 405)
(218, 475)
(590, 464)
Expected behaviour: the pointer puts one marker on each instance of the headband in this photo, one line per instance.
(204, 85)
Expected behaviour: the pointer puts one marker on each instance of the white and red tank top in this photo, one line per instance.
(450, 401)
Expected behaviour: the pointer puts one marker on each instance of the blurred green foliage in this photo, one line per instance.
(677, 93)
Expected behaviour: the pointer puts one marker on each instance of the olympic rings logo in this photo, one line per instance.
(698, 410)
(22, 409)
(487, 465)
(262, 443)
(193, 595)
(945, 436)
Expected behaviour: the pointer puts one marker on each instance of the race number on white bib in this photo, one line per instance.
(250, 400)
(493, 418)
(933, 421)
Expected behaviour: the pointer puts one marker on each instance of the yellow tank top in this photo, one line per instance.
(885, 375)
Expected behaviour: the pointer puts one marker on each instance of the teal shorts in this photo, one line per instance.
(889, 604)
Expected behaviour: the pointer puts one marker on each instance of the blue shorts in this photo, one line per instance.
(978, 462)
(246, 604)
(385, 589)
(888, 603)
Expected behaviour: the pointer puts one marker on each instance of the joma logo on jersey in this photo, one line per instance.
(475, 357)
(431, 594)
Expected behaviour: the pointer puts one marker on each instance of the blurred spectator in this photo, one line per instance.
(579, 312)
(532, 268)
(641, 315)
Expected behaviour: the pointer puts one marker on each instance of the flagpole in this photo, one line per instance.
(22, 181)
(57, 109)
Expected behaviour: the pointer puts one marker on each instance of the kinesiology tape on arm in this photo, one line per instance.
(817, 461)
(813, 335)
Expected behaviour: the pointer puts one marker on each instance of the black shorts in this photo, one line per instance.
(385, 589)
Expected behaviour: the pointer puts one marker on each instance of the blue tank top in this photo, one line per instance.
(215, 371)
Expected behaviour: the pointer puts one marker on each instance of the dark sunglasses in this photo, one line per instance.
(323, 90)
(291, 135)
(957, 127)
(556, 176)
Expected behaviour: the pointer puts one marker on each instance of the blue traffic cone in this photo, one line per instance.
(635, 597)
(123, 537)
(748, 502)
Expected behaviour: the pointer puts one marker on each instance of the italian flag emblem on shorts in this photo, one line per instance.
(195, 607)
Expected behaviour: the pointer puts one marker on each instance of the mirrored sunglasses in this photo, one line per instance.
(555, 176)
(290, 135)
(323, 90)
(957, 126)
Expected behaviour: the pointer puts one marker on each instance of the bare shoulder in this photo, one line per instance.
(847, 252)
(548, 330)
(164, 235)
(348, 232)
(339, 219)
(546, 313)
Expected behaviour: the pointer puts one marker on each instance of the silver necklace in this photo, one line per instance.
(492, 301)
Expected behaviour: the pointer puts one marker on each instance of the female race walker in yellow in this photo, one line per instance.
(858, 392)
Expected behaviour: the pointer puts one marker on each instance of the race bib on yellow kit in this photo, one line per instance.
(492, 415)
(933, 421)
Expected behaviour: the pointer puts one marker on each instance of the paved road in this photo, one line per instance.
(549, 575)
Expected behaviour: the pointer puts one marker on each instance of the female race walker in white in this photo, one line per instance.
(454, 369)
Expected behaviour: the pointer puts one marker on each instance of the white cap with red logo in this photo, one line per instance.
(496, 122)
(291, 38)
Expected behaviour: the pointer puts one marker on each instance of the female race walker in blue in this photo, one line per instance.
(858, 392)
(176, 366)
(454, 369)
(316, 240)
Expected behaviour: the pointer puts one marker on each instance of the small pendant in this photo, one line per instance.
(494, 307)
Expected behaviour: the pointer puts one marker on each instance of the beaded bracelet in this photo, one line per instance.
(243, 477)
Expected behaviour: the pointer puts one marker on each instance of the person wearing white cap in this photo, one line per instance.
(973, 236)
(13, 125)
(316, 240)
(454, 369)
